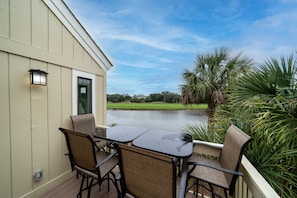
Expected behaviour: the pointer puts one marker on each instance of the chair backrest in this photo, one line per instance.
(84, 123)
(81, 150)
(145, 173)
(230, 157)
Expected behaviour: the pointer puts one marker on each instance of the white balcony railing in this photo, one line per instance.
(252, 184)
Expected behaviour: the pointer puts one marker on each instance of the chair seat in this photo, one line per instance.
(207, 174)
(104, 169)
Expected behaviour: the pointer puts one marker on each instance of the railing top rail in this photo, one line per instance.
(216, 145)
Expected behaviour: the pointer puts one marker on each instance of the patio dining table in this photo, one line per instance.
(171, 143)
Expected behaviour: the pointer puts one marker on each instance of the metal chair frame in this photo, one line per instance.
(226, 166)
(84, 160)
(145, 173)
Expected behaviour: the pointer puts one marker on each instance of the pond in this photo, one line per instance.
(164, 120)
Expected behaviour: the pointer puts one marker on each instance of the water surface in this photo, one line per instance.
(164, 120)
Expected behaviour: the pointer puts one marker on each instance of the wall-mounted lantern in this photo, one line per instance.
(38, 77)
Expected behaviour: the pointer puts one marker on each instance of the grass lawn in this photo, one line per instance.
(155, 106)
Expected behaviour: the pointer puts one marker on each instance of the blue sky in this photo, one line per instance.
(151, 42)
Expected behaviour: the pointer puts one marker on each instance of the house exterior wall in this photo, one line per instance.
(32, 37)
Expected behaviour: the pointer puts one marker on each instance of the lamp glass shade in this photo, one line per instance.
(38, 77)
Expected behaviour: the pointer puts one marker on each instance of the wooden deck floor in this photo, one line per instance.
(70, 188)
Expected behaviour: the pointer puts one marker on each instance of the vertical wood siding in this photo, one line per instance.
(20, 21)
(31, 37)
(20, 125)
(5, 150)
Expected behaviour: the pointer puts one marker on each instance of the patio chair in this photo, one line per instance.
(85, 123)
(146, 174)
(220, 173)
(91, 165)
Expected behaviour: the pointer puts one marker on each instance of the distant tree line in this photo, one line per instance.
(165, 96)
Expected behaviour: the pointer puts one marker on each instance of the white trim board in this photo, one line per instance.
(75, 75)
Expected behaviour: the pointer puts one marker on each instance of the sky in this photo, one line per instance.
(151, 42)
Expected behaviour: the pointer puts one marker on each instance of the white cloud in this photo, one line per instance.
(152, 41)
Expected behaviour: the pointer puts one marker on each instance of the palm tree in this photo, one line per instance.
(211, 77)
(263, 103)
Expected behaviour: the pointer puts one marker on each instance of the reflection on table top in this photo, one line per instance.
(171, 143)
(120, 133)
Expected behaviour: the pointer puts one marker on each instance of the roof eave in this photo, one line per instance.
(64, 14)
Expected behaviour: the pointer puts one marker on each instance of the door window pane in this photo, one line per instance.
(84, 97)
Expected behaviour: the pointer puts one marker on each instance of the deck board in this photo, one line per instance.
(70, 188)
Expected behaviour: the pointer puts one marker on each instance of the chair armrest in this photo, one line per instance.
(214, 167)
(106, 159)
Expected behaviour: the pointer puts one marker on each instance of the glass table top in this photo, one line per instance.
(171, 143)
(120, 133)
